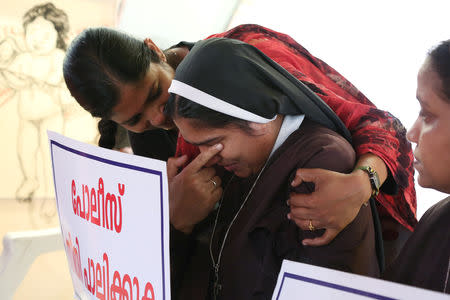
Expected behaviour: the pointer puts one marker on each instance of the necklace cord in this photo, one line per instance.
(219, 256)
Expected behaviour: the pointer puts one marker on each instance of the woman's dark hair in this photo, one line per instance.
(97, 62)
(440, 62)
(178, 106)
(55, 15)
(108, 130)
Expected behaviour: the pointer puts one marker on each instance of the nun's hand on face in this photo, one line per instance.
(194, 191)
(332, 206)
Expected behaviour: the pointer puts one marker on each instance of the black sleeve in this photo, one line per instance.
(157, 143)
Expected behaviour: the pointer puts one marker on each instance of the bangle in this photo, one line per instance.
(373, 178)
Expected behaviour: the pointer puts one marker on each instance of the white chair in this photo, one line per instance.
(20, 249)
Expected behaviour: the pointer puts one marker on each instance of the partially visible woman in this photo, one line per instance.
(425, 258)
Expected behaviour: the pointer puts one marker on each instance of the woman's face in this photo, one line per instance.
(141, 104)
(41, 36)
(431, 132)
(243, 153)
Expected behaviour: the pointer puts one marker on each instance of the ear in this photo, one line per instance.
(258, 128)
(151, 45)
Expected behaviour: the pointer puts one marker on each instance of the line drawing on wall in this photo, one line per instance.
(31, 75)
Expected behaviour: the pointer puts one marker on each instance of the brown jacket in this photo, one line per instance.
(262, 236)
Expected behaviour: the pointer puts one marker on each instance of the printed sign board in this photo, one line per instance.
(302, 281)
(113, 211)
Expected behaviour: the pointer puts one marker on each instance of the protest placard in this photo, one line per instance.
(303, 281)
(113, 211)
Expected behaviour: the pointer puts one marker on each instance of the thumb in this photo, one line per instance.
(325, 239)
(304, 175)
(173, 164)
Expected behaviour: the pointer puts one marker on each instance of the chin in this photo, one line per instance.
(168, 126)
(439, 186)
(242, 174)
(422, 181)
(427, 183)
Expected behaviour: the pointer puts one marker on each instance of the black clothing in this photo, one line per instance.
(157, 143)
(424, 261)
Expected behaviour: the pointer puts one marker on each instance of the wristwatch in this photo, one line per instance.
(373, 178)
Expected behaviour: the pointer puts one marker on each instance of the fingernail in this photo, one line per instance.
(218, 146)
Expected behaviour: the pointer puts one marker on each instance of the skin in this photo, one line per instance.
(431, 132)
(243, 153)
(195, 180)
(222, 147)
(323, 207)
(141, 104)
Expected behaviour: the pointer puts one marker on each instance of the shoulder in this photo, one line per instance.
(315, 146)
(320, 134)
(433, 225)
(320, 139)
(440, 212)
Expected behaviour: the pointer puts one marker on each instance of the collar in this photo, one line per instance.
(289, 125)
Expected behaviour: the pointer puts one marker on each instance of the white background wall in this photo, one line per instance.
(172, 21)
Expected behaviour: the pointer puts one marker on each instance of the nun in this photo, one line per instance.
(268, 124)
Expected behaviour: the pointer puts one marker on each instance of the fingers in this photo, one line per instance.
(173, 164)
(206, 174)
(325, 239)
(301, 214)
(306, 224)
(311, 225)
(305, 175)
(216, 195)
(216, 182)
(202, 159)
(300, 206)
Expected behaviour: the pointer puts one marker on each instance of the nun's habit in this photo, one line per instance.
(240, 254)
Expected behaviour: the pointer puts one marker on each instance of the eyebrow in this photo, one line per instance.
(150, 98)
(208, 141)
(422, 103)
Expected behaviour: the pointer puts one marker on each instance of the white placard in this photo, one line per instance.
(303, 281)
(113, 210)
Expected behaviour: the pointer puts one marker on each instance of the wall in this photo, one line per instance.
(34, 99)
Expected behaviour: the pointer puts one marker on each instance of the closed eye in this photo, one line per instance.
(425, 115)
(151, 97)
(134, 120)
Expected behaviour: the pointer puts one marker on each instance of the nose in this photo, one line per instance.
(156, 118)
(213, 160)
(413, 132)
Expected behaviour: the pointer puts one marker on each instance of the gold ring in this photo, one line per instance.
(213, 182)
(311, 226)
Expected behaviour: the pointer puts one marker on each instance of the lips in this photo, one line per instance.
(417, 165)
(231, 167)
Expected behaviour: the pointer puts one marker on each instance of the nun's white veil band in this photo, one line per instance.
(216, 104)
